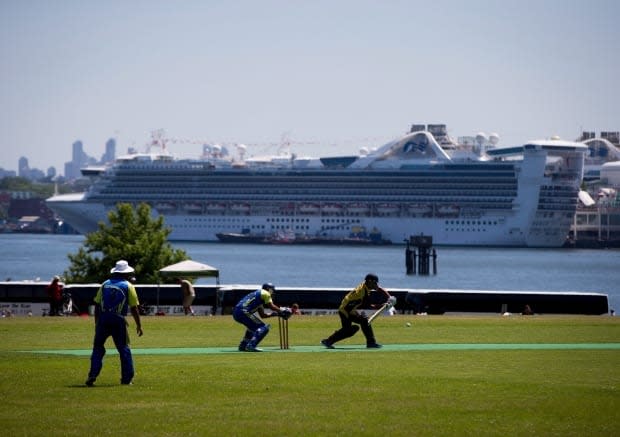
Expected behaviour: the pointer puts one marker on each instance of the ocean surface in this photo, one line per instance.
(39, 257)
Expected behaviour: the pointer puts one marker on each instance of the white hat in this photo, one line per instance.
(122, 266)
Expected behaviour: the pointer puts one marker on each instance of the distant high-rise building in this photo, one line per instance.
(22, 167)
(110, 151)
(24, 170)
(78, 156)
(79, 159)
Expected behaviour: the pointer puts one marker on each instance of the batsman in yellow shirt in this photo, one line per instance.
(349, 314)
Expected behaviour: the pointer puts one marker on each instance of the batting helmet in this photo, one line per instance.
(371, 277)
(269, 287)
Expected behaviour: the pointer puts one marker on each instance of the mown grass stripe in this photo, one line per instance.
(350, 348)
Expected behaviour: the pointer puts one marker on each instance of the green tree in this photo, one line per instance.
(132, 235)
(42, 190)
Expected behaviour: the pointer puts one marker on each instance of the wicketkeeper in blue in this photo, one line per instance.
(245, 313)
(115, 297)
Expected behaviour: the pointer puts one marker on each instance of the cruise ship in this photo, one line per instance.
(423, 183)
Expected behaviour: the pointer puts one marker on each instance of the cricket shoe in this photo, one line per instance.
(90, 381)
(251, 348)
(373, 346)
(327, 344)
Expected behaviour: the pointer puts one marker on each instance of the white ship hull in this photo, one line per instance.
(509, 231)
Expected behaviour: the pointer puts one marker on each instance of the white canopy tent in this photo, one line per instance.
(189, 268)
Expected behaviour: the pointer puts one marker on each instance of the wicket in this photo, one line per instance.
(283, 328)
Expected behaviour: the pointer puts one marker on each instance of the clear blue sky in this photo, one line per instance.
(331, 75)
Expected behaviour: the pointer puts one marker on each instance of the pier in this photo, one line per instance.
(422, 252)
(596, 226)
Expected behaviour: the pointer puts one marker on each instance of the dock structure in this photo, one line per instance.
(596, 226)
(420, 248)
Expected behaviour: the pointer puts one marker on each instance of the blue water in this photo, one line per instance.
(28, 257)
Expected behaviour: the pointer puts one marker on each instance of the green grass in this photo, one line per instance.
(488, 392)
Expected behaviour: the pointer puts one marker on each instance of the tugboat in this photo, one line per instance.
(244, 237)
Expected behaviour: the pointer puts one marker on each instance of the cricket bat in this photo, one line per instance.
(376, 313)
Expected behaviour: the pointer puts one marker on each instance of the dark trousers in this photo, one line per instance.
(115, 326)
(348, 329)
(55, 307)
(251, 322)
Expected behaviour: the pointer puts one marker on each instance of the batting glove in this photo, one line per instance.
(391, 301)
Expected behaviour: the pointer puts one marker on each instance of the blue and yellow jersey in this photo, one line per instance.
(116, 295)
(252, 301)
(354, 298)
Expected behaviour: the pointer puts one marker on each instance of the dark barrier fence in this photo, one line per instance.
(408, 301)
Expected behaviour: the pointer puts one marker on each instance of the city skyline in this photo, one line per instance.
(70, 170)
(331, 77)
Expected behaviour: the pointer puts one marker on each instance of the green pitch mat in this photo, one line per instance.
(348, 348)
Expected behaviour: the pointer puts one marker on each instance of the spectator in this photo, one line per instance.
(527, 311)
(189, 295)
(54, 294)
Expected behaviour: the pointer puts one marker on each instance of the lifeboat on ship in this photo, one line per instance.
(332, 208)
(358, 208)
(216, 207)
(242, 208)
(165, 206)
(193, 207)
(309, 208)
(420, 209)
(387, 208)
(448, 210)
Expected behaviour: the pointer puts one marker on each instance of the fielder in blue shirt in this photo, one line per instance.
(115, 297)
